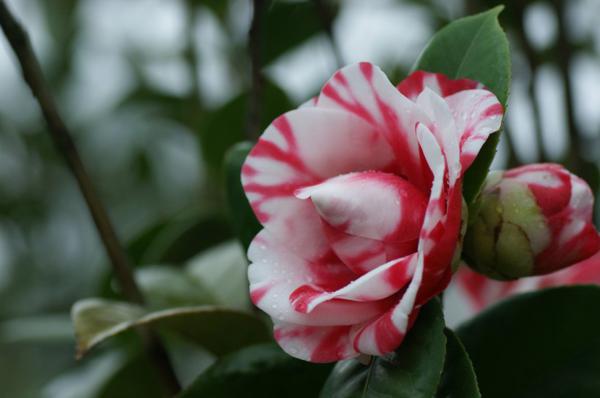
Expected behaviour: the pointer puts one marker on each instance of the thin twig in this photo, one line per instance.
(256, 91)
(327, 17)
(33, 76)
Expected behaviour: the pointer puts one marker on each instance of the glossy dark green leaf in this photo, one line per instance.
(244, 222)
(476, 48)
(542, 344)
(226, 126)
(96, 320)
(413, 371)
(258, 372)
(458, 379)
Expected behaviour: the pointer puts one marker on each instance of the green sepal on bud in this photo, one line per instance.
(498, 241)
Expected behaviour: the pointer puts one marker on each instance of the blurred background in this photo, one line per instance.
(156, 91)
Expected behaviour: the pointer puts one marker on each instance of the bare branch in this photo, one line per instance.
(33, 76)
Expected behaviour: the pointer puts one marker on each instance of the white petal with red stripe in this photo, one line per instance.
(441, 124)
(302, 148)
(388, 331)
(364, 90)
(477, 114)
(378, 284)
(316, 343)
(275, 272)
(419, 80)
(369, 204)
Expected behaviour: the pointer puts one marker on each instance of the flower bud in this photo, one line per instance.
(532, 220)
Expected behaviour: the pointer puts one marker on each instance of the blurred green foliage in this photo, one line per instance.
(156, 152)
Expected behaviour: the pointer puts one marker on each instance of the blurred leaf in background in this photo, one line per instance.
(157, 94)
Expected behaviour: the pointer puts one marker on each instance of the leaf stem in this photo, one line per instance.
(33, 76)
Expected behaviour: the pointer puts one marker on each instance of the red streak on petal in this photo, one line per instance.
(302, 296)
(475, 286)
(354, 107)
(412, 86)
(248, 171)
(367, 70)
(418, 174)
(268, 192)
(450, 86)
(257, 294)
(340, 78)
(398, 275)
(387, 336)
(332, 346)
(493, 110)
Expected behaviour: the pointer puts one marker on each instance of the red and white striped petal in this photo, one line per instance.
(378, 284)
(443, 127)
(551, 186)
(302, 148)
(471, 292)
(417, 81)
(275, 272)
(477, 114)
(566, 202)
(309, 103)
(316, 343)
(574, 237)
(387, 332)
(360, 254)
(369, 204)
(364, 90)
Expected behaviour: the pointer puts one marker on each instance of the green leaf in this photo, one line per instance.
(217, 276)
(167, 287)
(476, 48)
(458, 379)
(244, 221)
(542, 344)
(179, 238)
(223, 269)
(257, 372)
(95, 320)
(413, 371)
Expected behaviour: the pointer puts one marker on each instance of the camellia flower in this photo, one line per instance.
(533, 220)
(359, 193)
(471, 292)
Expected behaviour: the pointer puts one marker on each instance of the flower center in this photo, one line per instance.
(370, 217)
